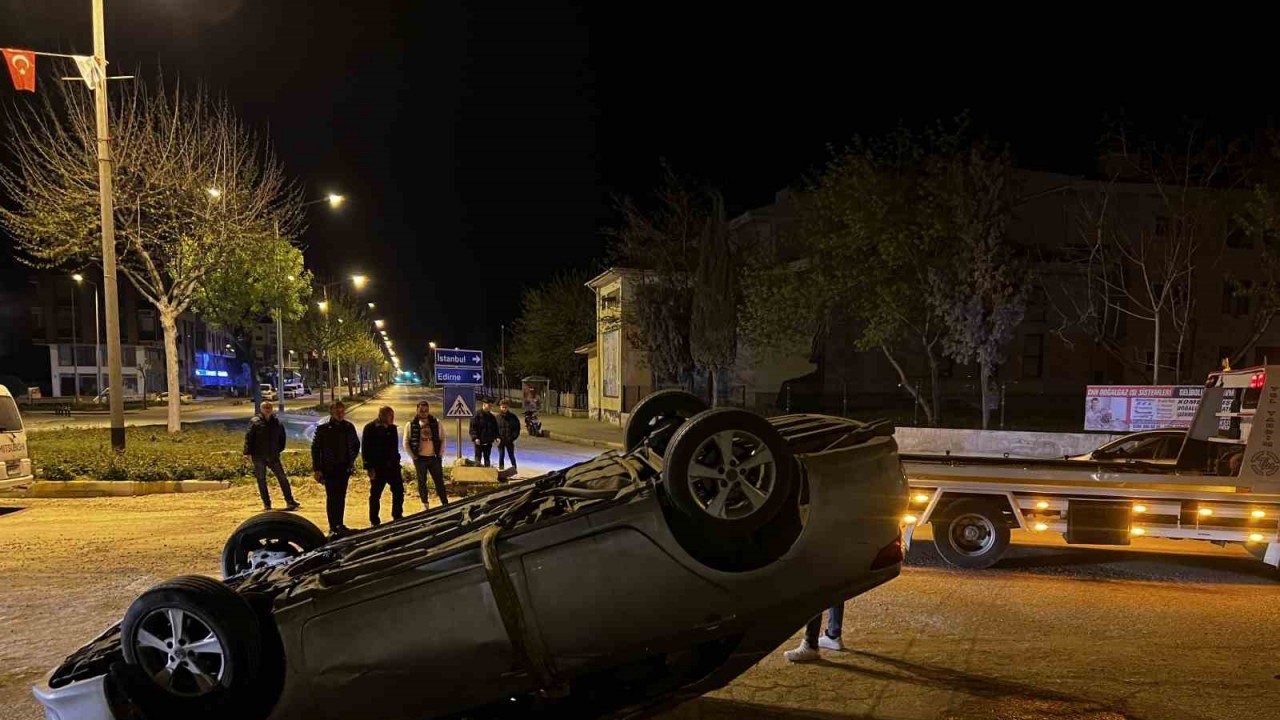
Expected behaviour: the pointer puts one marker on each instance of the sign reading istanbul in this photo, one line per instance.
(1133, 408)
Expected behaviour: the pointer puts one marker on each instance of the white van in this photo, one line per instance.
(15, 465)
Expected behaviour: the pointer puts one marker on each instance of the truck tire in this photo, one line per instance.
(266, 539)
(971, 534)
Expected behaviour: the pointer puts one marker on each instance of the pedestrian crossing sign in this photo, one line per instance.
(459, 402)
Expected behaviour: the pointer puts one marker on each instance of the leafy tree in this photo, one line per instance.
(192, 183)
(662, 242)
(261, 279)
(555, 319)
(713, 336)
(870, 230)
(327, 328)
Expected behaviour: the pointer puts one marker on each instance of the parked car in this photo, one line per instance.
(294, 389)
(1149, 446)
(104, 397)
(268, 392)
(183, 397)
(637, 579)
(15, 463)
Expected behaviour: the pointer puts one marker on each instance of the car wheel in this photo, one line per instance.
(665, 409)
(267, 539)
(971, 534)
(728, 469)
(198, 642)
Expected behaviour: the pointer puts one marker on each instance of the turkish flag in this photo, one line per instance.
(22, 68)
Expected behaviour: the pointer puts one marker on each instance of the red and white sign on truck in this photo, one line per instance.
(1224, 487)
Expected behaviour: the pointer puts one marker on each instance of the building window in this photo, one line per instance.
(1235, 297)
(1032, 356)
(38, 328)
(85, 356)
(64, 356)
(64, 318)
(146, 324)
(1037, 305)
(129, 356)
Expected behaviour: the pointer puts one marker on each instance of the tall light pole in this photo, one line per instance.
(114, 370)
(431, 379)
(97, 336)
(75, 361)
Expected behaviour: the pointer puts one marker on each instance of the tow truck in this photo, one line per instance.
(1224, 487)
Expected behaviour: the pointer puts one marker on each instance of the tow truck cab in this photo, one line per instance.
(15, 465)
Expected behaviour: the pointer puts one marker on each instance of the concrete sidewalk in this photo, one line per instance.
(582, 431)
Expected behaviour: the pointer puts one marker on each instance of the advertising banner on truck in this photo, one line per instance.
(1133, 408)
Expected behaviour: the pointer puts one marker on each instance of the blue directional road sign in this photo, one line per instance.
(458, 376)
(460, 358)
(459, 367)
(459, 402)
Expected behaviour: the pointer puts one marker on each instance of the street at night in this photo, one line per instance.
(482, 361)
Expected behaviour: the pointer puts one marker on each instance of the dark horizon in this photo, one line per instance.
(482, 149)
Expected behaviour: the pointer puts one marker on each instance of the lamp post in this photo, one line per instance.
(97, 337)
(75, 361)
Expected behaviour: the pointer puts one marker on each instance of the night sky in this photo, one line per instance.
(481, 144)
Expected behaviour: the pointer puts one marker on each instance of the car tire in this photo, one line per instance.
(656, 410)
(217, 680)
(971, 534)
(734, 497)
(270, 536)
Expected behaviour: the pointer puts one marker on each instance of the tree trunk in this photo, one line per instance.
(1155, 354)
(910, 388)
(984, 374)
(935, 387)
(169, 324)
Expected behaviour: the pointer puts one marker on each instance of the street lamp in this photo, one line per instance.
(359, 281)
(97, 337)
(323, 305)
(378, 324)
(214, 193)
(372, 305)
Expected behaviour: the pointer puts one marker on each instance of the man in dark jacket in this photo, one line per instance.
(508, 431)
(333, 456)
(263, 444)
(381, 453)
(484, 430)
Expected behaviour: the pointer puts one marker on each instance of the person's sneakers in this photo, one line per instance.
(826, 642)
(803, 654)
(292, 506)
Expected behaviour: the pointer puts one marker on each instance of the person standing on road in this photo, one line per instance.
(484, 430)
(425, 445)
(808, 651)
(333, 456)
(380, 450)
(508, 431)
(263, 444)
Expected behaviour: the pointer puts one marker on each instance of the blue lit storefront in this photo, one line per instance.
(213, 370)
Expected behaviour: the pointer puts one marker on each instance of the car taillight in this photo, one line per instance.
(1258, 380)
(889, 555)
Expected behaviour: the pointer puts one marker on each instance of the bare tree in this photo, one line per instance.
(713, 331)
(1142, 270)
(192, 182)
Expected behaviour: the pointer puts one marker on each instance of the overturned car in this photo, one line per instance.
(613, 588)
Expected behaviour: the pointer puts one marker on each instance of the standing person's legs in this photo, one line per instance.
(376, 483)
(504, 450)
(437, 474)
(335, 490)
(487, 450)
(811, 630)
(397, 496)
(421, 466)
(830, 640)
(477, 446)
(260, 474)
(287, 490)
(808, 650)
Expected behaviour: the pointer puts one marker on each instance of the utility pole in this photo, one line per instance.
(115, 373)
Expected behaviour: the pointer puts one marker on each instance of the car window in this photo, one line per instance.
(10, 420)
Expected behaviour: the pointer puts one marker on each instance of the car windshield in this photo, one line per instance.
(10, 420)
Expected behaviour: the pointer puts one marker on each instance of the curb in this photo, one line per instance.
(588, 442)
(110, 488)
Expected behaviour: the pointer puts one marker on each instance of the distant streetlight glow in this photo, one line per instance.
(432, 345)
(214, 192)
(372, 305)
(77, 277)
(378, 323)
(335, 200)
(359, 280)
(323, 305)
